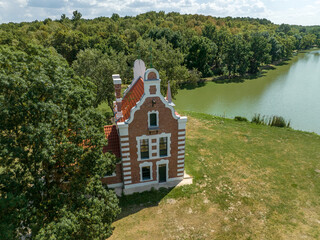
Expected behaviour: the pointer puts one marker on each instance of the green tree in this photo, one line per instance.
(99, 68)
(201, 54)
(51, 158)
(236, 55)
(76, 16)
(69, 43)
(260, 49)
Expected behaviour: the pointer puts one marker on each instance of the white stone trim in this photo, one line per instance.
(146, 73)
(124, 144)
(125, 159)
(126, 163)
(128, 182)
(157, 114)
(181, 156)
(140, 184)
(127, 178)
(182, 133)
(123, 129)
(180, 152)
(146, 164)
(181, 161)
(181, 147)
(180, 165)
(181, 142)
(115, 185)
(125, 149)
(182, 138)
(180, 174)
(127, 173)
(174, 179)
(180, 170)
(150, 137)
(127, 169)
(126, 154)
(163, 162)
(124, 139)
(182, 122)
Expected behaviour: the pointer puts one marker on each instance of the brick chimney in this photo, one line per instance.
(117, 88)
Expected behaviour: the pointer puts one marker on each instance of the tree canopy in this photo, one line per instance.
(51, 159)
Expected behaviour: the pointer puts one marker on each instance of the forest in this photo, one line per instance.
(55, 73)
(183, 47)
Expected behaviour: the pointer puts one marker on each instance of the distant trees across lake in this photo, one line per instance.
(185, 47)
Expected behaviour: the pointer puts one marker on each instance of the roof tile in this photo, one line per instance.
(131, 98)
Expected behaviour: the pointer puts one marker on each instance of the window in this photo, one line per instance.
(146, 173)
(163, 148)
(153, 120)
(144, 148)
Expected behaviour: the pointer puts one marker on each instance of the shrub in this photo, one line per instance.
(258, 119)
(240, 119)
(277, 121)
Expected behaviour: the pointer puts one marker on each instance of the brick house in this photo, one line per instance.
(148, 135)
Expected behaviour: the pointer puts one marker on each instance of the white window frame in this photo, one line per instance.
(167, 147)
(150, 137)
(157, 116)
(146, 164)
(163, 162)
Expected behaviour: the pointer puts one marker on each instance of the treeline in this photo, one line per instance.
(183, 48)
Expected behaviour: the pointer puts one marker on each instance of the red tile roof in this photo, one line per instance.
(113, 140)
(131, 98)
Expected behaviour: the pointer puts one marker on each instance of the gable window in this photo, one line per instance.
(144, 148)
(153, 120)
(163, 146)
(146, 173)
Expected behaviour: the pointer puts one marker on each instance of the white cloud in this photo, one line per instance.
(292, 12)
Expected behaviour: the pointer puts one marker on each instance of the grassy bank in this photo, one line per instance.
(250, 182)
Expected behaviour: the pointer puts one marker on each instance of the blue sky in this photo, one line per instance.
(302, 12)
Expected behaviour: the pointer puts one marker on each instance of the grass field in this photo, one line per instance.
(250, 182)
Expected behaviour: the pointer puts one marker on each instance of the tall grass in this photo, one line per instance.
(274, 121)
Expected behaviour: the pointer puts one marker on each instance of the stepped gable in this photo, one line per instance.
(113, 140)
(132, 96)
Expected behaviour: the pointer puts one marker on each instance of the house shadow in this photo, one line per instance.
(133, 203)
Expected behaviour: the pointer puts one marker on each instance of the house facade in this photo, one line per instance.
(148, 135)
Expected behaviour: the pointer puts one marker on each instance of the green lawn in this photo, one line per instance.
(250, 182)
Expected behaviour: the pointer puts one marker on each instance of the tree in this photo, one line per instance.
(260, 49)
(69, 43)
(51, 158)
(201, 55)
(99, 68)
(76, 16)
(236, 55)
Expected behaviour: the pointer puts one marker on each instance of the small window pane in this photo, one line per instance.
(144, 148)
(146, 173)
(163, 146)
(153, 120)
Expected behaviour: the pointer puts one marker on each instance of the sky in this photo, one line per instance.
(300, 12)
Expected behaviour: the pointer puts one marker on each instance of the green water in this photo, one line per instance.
(291, 91)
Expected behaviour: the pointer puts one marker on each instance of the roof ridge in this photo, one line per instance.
(130, 86)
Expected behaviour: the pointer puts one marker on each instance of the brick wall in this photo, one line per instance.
(139, 127)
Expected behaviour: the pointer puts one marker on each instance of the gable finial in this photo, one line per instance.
(150, 57)
(169, 97)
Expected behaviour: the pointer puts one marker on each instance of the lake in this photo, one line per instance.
(291, 91)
